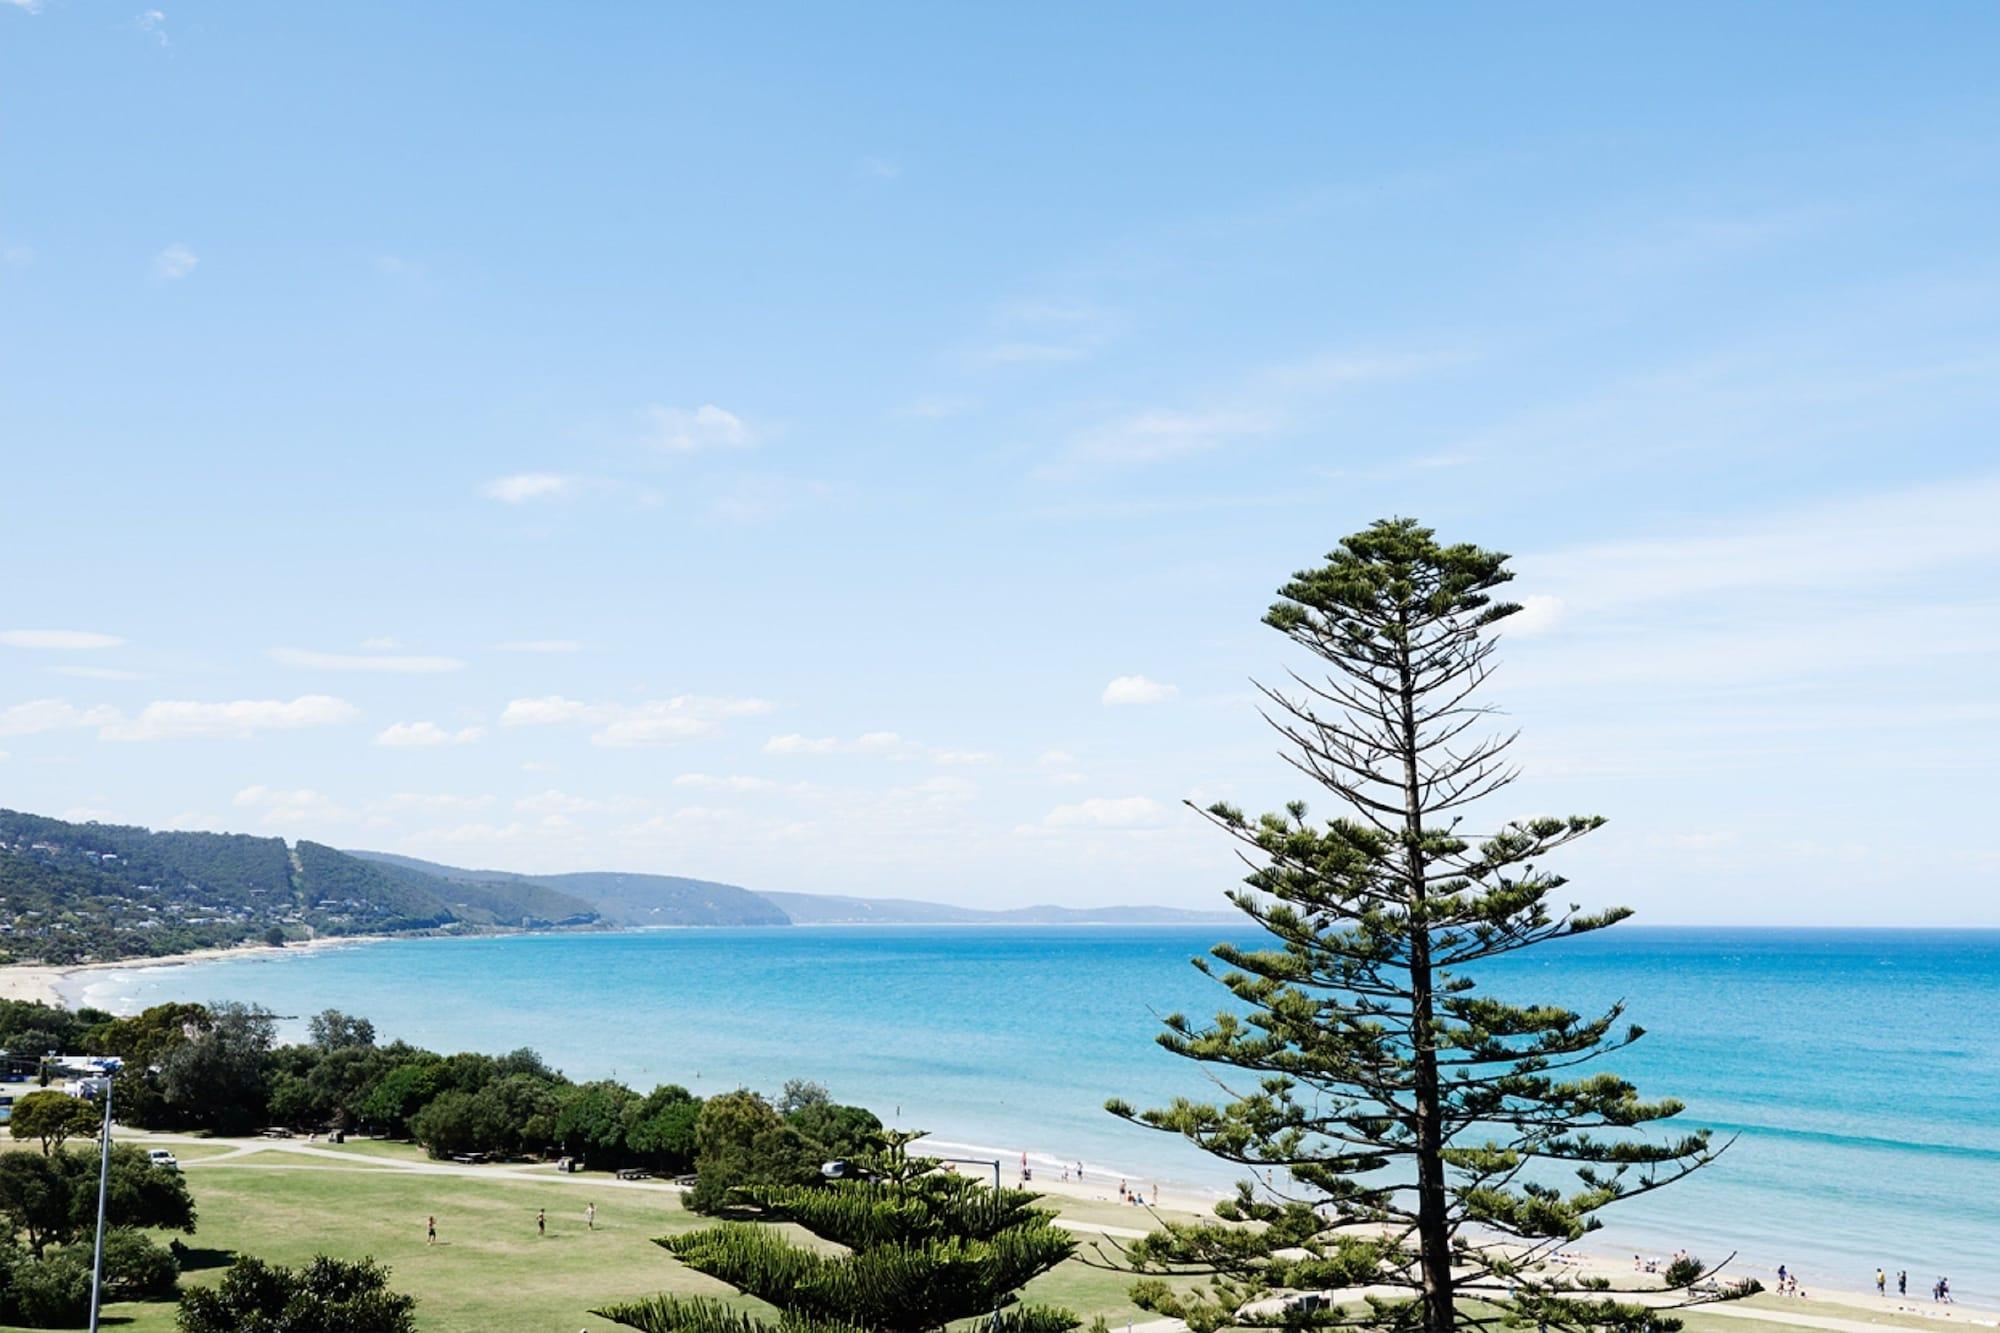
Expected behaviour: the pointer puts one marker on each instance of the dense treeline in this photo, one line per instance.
(220, 1068)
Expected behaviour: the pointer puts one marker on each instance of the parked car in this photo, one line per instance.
(161, 1157)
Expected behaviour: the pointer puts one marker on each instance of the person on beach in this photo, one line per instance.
(431, 1230)
(590, 1217)
(1902, 1282)
(1781, 1279)
(1881, 1283)
(541, 1221)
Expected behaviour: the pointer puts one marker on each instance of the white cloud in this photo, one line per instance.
(729, 782)
(1149, 437)
(1107, 812)
(1042, 333)
(279, 805)
(435, 801)
(539, 646)
(1538, 615)
(1138, 690)
(174, 262)
(553, 802)
(38, 715)
(380, 643)
(154, 23)
(404, 665)
(26, 6)
(424, 735)
(684, 430)
(877, 744)
(1056, 758)
(521, 487)
(97, 673)
(654, 722)
(58, 639)
(174, 719)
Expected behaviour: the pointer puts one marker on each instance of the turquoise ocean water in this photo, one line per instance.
(1859, 1070)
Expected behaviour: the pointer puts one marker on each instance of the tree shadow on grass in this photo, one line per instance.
(195, 1258)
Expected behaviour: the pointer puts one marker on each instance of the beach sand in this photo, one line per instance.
(54, 984)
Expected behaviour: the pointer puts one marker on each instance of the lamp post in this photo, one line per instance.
(103, 1186)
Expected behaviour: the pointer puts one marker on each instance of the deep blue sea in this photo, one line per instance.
(1859, 1070)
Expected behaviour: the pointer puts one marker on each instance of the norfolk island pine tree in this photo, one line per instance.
(923, 1248)
(1437, 1144)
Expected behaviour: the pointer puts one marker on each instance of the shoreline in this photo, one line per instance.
(1832, 1276)
(52, 983)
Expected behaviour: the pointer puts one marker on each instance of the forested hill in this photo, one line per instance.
(673, 900)
(621, 898)
(71, 892)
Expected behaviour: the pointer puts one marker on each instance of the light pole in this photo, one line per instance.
(103, 1186)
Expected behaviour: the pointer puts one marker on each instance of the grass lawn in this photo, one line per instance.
(490, 1270)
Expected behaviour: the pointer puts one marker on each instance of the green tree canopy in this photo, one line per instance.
(54, 1118)
(920, 1248)
(1412, 1131)
(741, 1141)
(326, 1296)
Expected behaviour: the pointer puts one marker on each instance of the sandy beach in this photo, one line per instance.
(46, 983)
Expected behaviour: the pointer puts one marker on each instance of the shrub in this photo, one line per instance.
(137, 1267)
(49, 1293)
(326, 1296)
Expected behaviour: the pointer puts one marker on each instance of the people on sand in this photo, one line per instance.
(430, 1230)
(1902, 1282)
(1881, 1283)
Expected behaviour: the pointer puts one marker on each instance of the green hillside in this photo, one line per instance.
(619, 898)
(73, 892)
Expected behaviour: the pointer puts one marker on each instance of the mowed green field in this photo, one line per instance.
(489, 1270)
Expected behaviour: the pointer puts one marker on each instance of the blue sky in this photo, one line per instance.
(849, 448)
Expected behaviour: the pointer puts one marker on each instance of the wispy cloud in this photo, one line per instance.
(1044, 333)
(878, 744)
(1107, 812)
(425, 735)
(401, 664)
(686, 430)
(153, 22)
(1138, 690)
(62, 640)
(653, 722)
(39, 715)
(295, 805)
(96, 672)
(178, 719)
(521, 487)
(174, 263)
(1266, 402)
(539, 646)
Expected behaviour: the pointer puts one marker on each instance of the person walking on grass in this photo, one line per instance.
(541, 1221)
(590, 1217)
(431, 1230)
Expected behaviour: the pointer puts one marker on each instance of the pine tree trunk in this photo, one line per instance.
(1433, 1229)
